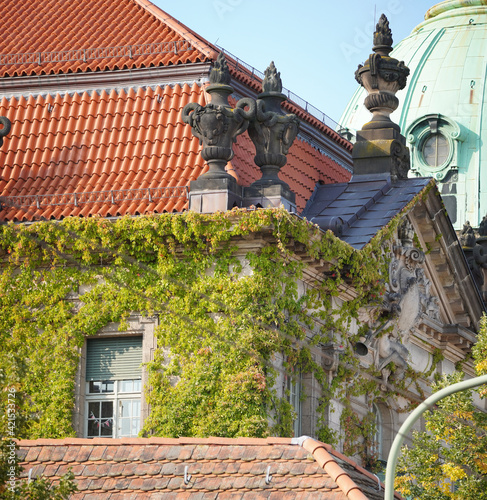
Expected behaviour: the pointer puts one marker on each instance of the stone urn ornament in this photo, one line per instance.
(382, 76)
(217, 124)
(272, 130)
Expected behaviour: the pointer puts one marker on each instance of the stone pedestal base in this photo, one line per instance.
(214, 195)
(270, 196)
(380, 151)
(218, 195)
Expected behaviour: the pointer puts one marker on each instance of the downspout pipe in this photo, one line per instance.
(415, 415)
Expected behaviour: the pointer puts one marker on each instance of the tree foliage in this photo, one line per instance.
(449, 460)
(11, 488)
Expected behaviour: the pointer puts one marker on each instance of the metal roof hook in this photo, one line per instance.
(187, 477)
(378, 482)
(268, 477)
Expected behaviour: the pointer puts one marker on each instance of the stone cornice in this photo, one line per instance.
(454, 341)
(446, 263)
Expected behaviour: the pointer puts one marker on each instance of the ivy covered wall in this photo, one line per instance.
(225, 290)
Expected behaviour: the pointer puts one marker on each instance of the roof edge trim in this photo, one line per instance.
(199, 42)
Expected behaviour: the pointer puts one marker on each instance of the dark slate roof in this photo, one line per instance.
(356, 210)
(243, 468)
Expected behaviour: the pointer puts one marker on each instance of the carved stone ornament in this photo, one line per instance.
(401, 161)
(483, 227)
(467, 236)
(331, 357)
(382, 76)
(217, 124)
(475, 251)
(405, 233)
(272, 131)
(6, 126)
(408, 299)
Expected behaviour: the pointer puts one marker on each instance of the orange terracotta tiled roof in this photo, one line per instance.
(125, 151)
(60, 36)
(112, 153)
(155, 468)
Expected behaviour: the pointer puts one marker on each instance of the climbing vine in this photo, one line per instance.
(224, 290)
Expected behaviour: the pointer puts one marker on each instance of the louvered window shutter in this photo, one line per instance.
(114, 358)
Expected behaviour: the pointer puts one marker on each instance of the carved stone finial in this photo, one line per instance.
(272, 79)
(217, 124)
(6, 126)
(382, 36)
(380, 147)
(382, 76)
(272, 131)
(467, 236)
(220, 73)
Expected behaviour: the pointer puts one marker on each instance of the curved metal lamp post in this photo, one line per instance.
(415, 415)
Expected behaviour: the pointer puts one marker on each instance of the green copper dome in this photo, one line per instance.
(443, 109)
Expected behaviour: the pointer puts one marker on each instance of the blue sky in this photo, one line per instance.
(316, 45)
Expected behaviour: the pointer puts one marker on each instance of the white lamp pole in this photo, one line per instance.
(415, 415)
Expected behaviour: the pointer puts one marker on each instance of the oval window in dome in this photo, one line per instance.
(436, 150)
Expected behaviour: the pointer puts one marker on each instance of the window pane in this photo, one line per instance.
(93, 421)
(95, 387)
(126, 385)
(435, 150)
(136, 408)
(135, 426)
(94, 410)
(107, 409)
(108, 386)
(130, 385)
(93, 428)
(125, 408)
(107, 427)
(125, 427)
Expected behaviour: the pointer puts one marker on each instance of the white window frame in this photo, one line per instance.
(116, 397)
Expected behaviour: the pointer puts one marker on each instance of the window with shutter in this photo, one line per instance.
(113, 386)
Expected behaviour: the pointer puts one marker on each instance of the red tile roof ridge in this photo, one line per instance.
(196, 40)
(220, 441)
(329, 464)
